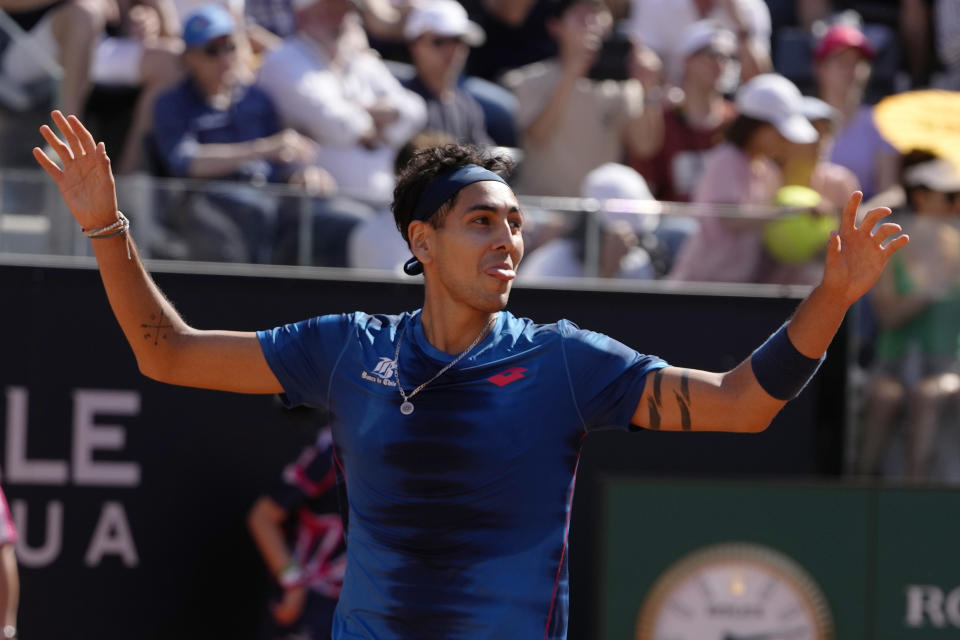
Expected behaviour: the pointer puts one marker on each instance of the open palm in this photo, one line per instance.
(857, 255)
(85, 181)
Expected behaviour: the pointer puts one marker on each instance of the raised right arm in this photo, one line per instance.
(167, 348)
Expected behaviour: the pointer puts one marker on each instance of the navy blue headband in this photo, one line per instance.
(444, 187)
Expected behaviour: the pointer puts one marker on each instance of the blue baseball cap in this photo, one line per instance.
(207, 23)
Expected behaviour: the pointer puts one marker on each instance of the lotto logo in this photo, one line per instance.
(504, 378)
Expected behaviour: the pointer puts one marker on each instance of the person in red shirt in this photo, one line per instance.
(694, 124)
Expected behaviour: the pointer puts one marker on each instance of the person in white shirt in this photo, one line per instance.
(660, 25)
(619, 254)
(328, 84)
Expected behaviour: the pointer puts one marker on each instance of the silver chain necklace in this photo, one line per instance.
(407, 407)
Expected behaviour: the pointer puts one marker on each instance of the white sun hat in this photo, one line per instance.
(772, 98)
(443, 18)
(937, 175)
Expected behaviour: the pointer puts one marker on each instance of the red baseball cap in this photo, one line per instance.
(841, 36)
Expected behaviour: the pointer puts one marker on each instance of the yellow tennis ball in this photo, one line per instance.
(797, 237)
(796, 196)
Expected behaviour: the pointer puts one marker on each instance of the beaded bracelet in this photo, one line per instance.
(118, 227)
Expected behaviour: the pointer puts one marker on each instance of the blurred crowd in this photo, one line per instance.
(698, 140)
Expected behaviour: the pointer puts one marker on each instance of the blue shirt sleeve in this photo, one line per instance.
(257, 105)
(172, 136)
(304, 356)
(606, 376)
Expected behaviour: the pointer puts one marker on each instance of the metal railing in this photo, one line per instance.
(168, 214)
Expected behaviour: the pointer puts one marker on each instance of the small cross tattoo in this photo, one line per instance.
(157, 328)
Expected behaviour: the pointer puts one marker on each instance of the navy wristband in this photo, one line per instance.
(780, 369)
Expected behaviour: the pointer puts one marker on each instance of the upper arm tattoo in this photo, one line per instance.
(683, 399)
(655, 404)
(156, 329)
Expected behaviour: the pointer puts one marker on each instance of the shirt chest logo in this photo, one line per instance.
(504, 378)
(383, 373)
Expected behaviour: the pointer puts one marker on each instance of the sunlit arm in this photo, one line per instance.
(166, 347)
(687, 399)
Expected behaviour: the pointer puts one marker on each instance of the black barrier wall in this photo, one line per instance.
(131, 496)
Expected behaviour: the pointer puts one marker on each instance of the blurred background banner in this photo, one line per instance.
(130, 496)
(864, 562)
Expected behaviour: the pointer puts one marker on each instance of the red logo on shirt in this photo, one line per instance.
(504, 378)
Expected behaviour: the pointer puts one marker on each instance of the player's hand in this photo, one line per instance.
(85, 181)
(291, 605)
(856, 255)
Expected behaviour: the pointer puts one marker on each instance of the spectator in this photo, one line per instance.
(910, 19)
(572, 124)
(213, 125)
(743, 171)
(695, 124)
(64, 32)
(806, 165)
(374, 243)
(9, 578)
(660, 24)
(517, 35)
(142, 51)
(917, 304)
(809, 165)
(440, 36)
(250, 36)
(329, 85)
(947, 40)
(276, 16)
(619, 252)
(842, 69)
(299, 533)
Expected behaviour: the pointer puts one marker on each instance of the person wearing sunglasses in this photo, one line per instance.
(439, 36)
(214, 125)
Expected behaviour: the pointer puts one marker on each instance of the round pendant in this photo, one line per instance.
(406, 408)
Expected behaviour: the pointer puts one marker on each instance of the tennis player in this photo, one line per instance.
(458, 426)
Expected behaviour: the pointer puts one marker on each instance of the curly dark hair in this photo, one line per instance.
(423, 168)
(739, 132)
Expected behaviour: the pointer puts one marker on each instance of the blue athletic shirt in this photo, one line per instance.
(458, 512)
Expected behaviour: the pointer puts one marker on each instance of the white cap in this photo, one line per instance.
(817, 109)
(937, 175)
(615, 181)
(707, 33)
(444, 18)
(772, 98)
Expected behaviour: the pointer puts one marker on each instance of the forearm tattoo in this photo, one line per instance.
(156, 329)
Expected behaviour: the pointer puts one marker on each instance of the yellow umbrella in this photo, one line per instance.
(927, 119)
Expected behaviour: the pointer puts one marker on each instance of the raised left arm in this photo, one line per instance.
(688, 399)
